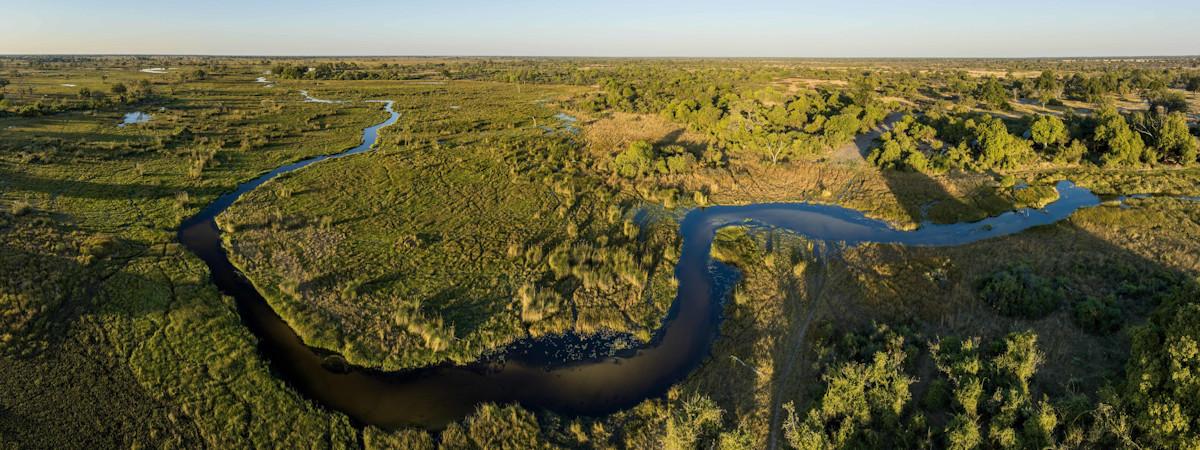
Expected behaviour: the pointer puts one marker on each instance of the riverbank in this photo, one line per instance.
(567, 384)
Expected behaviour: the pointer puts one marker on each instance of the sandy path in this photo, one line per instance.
(856, 152)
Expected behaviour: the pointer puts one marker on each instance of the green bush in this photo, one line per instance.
(1018, 292)
(1163, 387)
(635, 161)
(1035, 196)
(1099, 315)
(1071, 154)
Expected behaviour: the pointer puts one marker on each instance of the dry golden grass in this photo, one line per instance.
(800, 84)
(893, 196)
(980, 73)
(608, 135)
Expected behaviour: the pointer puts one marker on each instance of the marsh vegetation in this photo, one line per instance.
(480, 220)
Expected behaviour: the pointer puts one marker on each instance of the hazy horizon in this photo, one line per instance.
(762, 29)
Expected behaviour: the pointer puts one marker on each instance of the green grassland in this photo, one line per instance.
(468, 227)
(112, 336)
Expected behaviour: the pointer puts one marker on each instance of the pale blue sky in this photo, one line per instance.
(849, 28)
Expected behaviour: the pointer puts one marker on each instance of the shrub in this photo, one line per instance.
(635, 161)
(681, 163)
(963, 433)
(1018, 292)
(1036, 196)
(696, 419)
(20, 208)
(1071, 154)
(1099, 315)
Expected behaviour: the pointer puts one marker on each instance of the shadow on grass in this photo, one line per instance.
(96, 190)
(934, 292)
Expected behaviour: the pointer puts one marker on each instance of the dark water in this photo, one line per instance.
(529, 373)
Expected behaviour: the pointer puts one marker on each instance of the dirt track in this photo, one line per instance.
(856, 152)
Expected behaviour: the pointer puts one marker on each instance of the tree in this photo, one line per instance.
(288, 71)
(1171, 101)
(1122, 145)
(1019, 292)
(841, 128)
(1020, 359)
(889, 155)
(119, 89)
(1167, 134)
(862, 403)
(1091, 89)
(1175, 141)
(901, 147)
(1047, 87)
(775, 146)
(997, 147)
(1071, 154)
(323, 71)
(1164, 372)
(992, 92)
(3, 83)
(1048, 130)
(681, 162)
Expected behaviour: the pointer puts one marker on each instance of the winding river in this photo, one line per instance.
(434, 396)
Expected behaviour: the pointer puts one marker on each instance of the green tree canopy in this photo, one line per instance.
(1171, 101)
(1122, 146)
(1046, 87)
(992, 92)
(997, 147)
(861, 406)
(1175, 140)
(636, 160)
(1048, 130)
(1164, 372)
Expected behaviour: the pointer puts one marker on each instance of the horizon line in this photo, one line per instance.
(348, 55)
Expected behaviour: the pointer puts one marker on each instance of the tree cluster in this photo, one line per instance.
(778, 126)
(937, 142)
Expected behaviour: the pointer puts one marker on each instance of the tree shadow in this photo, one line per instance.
(96, 190)
(675, 137)
(865, 141)
(934, 290)
(60, 363)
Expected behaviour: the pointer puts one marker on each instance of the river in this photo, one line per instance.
(434, 396)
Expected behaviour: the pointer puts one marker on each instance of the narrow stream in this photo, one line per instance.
(434, 396)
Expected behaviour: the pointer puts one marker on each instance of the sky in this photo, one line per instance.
(746, 28)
